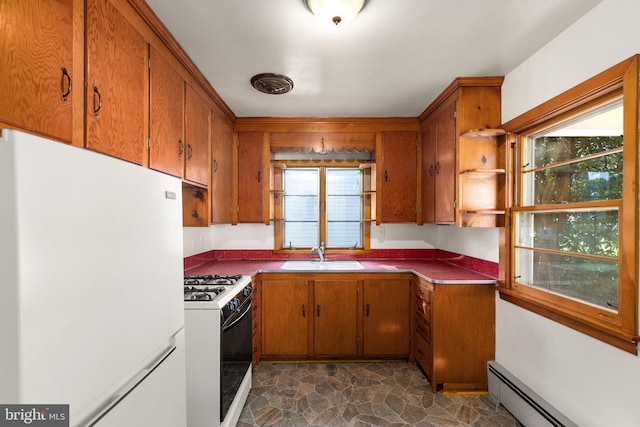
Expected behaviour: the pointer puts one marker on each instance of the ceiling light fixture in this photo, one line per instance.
(335, 11)
(271, 83)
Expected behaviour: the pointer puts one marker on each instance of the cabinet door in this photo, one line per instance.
(428, 171)
(335, 317)
(445, 167)
(386, 317)
(116, 77)
(221, 170)
(285, 321)
(463, 334)
(166, 111)
(36, 39)
(197, 137)
(398, 177)
(251, 177)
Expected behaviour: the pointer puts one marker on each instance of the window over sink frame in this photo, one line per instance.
(278, 214)
(614, 322)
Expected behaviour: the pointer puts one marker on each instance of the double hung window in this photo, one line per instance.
(573, 231)
(321, 206)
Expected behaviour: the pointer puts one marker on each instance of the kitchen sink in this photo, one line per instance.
(308, 265)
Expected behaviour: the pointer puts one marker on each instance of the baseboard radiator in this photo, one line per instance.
(522, 402)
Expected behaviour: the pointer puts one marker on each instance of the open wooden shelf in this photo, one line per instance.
(483, 171)
(483, 133)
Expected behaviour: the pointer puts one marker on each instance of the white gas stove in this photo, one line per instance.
(218, 332)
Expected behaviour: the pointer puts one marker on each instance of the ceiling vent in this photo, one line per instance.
(273, 84)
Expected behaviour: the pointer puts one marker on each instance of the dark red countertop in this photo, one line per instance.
(434, 270)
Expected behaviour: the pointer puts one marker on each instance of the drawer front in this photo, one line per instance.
(423, 356)
(423, 310)
(423, 329)
(424, 292)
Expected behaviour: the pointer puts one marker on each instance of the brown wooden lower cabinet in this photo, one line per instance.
(333, 316)
(454, 335)
(285, 321)
(386, 324)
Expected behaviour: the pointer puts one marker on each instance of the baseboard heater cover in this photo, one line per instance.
(522, 402)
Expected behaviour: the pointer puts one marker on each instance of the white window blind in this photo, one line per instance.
(344, 208)
(302, 203)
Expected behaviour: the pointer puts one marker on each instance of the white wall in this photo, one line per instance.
(259, 236)
(592, 383)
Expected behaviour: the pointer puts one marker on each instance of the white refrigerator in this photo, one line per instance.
(91, 300)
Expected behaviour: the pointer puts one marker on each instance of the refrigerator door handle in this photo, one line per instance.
(128, 387)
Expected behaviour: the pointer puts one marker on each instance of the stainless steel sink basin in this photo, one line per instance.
(308, 265)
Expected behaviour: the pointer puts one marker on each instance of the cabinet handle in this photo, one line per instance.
(66, 75)
(318, 310)
(431, 170)
(215, 166)
(190, 151)
(259, 176)
(367, 310)
(304, 314)
(386, 177)
(96, 93)
(420, 351)
(180, 147)
(438, 168)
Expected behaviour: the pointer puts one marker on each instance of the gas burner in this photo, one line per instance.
(211, 280)
(197, 296)
(206, 287)
(203, 288)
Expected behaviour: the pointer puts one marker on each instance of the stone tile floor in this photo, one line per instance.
(389, 394)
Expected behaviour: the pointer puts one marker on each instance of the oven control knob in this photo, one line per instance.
(234, 304)
(246, 291)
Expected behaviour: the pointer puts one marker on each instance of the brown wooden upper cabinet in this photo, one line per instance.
(439, 165)
(253, 178)
(463, 155)
(197, 138)
(166, 111)
(221, 191)
(38, 83)
(116, 84)
(397, 177)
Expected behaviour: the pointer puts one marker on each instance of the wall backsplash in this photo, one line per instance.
(478, 243)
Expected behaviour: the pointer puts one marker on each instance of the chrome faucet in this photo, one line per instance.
(320, 250)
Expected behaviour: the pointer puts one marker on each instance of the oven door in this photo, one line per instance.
(236, 352)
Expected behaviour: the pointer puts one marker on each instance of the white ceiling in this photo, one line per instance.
(392, 60)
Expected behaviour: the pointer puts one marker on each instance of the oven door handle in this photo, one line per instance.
(232, 320)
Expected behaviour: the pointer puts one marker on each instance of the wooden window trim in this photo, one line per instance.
(618, 329)
(278, 226)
